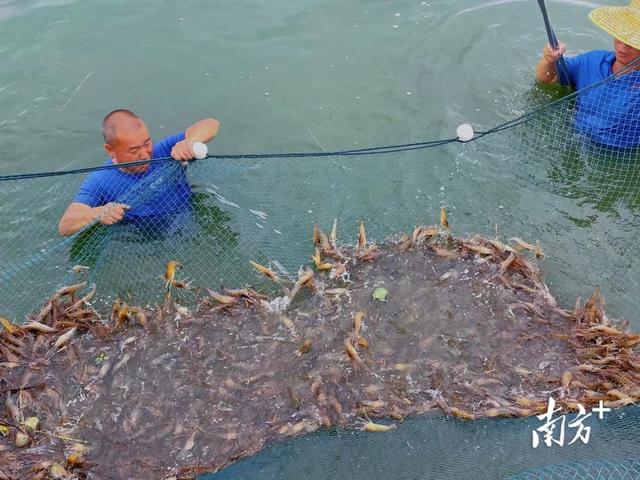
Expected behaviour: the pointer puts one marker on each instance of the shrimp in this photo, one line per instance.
(305, 278)
(566, 378)
(10, 327)
(362, 237)
(183, 284)
(267, 272)
(444, 223)
(170, 273)
(458, 412)
(65, 338)
(38, 327)
(405, 243)
(122, 313)
(79, 269)
(445, 253)
(294, 397)
(499, 412)
(630, 342)
(246, 292)
(334, 233)
(69, 290)
(140, 316)
(357, 324)
(369, 426)
(479, 249)
(224, 299)
(305, 348)
(75, 460)
(317, 260)
(289, 429)
(339, 270)
(401, 367)
(371, 404)
(352, 353)
(46, 310)
(504, 266)
(289, 324)
(521, 244)
(83, 300)
(336, 291)
(181, 310)
(424, 232)
(368, 254)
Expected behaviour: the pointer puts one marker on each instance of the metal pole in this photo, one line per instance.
(561, 66)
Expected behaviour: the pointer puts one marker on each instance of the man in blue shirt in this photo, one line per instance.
(159, 188)
(609, 113)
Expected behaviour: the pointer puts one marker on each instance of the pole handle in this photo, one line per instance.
(561, 66)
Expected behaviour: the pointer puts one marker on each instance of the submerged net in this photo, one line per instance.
(429, 448)
(566, 174)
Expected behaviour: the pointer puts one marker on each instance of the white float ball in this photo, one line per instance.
(200, 150)
(465, 132)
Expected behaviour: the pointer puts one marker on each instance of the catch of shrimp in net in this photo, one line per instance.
(365, 336)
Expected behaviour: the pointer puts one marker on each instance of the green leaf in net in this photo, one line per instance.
(31, 422)
(101, 357)
(380, 294)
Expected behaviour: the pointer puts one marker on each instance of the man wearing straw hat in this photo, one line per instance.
(608, 112)
(623, 23)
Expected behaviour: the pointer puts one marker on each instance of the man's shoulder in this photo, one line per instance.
(163, 147)
(595, 56)
(96, 184)
(102, 174)
(590, 67)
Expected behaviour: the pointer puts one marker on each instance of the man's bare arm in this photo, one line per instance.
(201, 131)
(546, 71)
(79, 215)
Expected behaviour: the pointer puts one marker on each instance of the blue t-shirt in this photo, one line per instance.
(608, 113)
(160, 190)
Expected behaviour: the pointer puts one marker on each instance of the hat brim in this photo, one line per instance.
(622, 23)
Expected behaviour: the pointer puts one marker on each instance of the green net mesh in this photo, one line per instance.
(437, 447)
(566, 174)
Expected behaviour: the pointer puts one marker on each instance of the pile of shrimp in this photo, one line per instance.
(365, 336)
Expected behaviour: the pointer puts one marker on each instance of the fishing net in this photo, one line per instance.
(431, 448)
(568, 166)
(565, 174)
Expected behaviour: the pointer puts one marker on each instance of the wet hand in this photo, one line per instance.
(551, 55)
(183, 151)
(110, 213)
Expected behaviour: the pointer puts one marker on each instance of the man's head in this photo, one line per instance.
(623, 24)
(625, 54)
(127, 139)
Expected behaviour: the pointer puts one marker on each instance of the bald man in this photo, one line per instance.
(127, 140)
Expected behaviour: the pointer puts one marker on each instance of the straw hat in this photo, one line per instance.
(621, 22)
